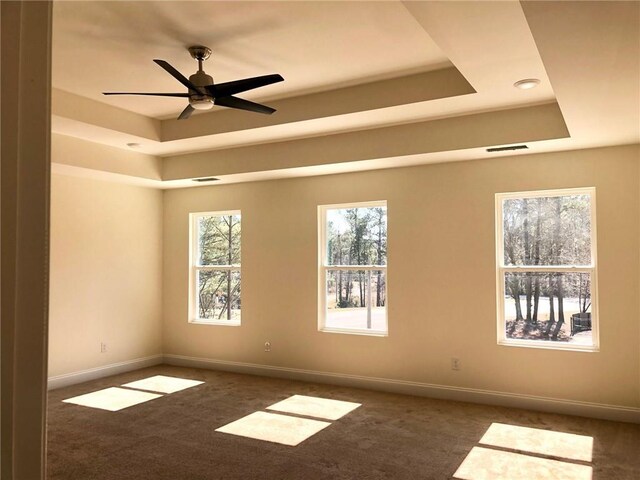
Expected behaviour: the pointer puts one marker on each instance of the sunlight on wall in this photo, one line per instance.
(112, 399)
(315, 407)
(535, 440)
(273, 427)
(163, 384)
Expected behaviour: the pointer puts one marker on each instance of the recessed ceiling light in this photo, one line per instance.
(527, 83)
(133, 145)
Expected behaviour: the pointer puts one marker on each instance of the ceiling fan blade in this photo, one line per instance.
(186, 113)
(178, 76)
(237, 86)
(235, 102)
(152, 94)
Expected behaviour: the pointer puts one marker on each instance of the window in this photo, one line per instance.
(546, 269)
(215, 268)
(353, 268)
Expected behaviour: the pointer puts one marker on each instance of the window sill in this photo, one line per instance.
(214, 322)
(367, 333)
(545, 345)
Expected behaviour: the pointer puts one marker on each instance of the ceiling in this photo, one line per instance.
(367, 84)
(316, 46)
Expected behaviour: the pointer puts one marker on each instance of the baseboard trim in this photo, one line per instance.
(73, 378)
(488, 397)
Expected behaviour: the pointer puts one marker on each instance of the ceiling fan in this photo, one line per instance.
(203, 94)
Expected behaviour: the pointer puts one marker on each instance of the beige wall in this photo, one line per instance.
(106, 273)
(441, 276)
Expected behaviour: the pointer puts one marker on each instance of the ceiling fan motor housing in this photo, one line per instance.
(196, 99)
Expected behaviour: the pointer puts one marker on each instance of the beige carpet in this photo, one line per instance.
(173, 436)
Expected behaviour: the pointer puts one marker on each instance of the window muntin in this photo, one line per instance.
(215, 280)
(546, 269)
(353, 268)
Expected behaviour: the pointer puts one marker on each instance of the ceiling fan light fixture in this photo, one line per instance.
(527, 83)
(201, 103)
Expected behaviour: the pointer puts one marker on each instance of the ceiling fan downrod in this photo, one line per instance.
(199, 53)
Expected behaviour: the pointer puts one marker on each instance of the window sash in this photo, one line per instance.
(196, 318)
(368, 330)
(354, 267)
(233, 268)
(565, 192)
(548, 268)
(547, 344)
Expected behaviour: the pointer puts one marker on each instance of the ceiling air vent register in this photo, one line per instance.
(206, 179)
(507, 149)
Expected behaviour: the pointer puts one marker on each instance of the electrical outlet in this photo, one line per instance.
(103, 347)
(267, 346)
(455, 363)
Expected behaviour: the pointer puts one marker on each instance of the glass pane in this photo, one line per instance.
(552, 307)
(547, 230)
(349, 294)
(357, 236)
(215, 287)
(219, 240)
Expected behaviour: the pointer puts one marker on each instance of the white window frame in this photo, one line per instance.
(323, 268)
(194, 268)
(501, 269)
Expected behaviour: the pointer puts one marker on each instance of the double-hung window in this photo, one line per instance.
(353, 268)
(215, 286)
(546, 269)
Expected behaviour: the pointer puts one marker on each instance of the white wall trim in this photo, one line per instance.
(462, 394)
(81, 376)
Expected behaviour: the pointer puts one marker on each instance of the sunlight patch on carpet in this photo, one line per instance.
(315, 407)
(483, 463)
(163, 384)
(272, 427)
(535, 440)
(112, 399)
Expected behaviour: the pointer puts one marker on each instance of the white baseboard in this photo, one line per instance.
(67, 379)
(513, 400)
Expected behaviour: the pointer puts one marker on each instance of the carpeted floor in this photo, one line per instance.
(388, 437)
